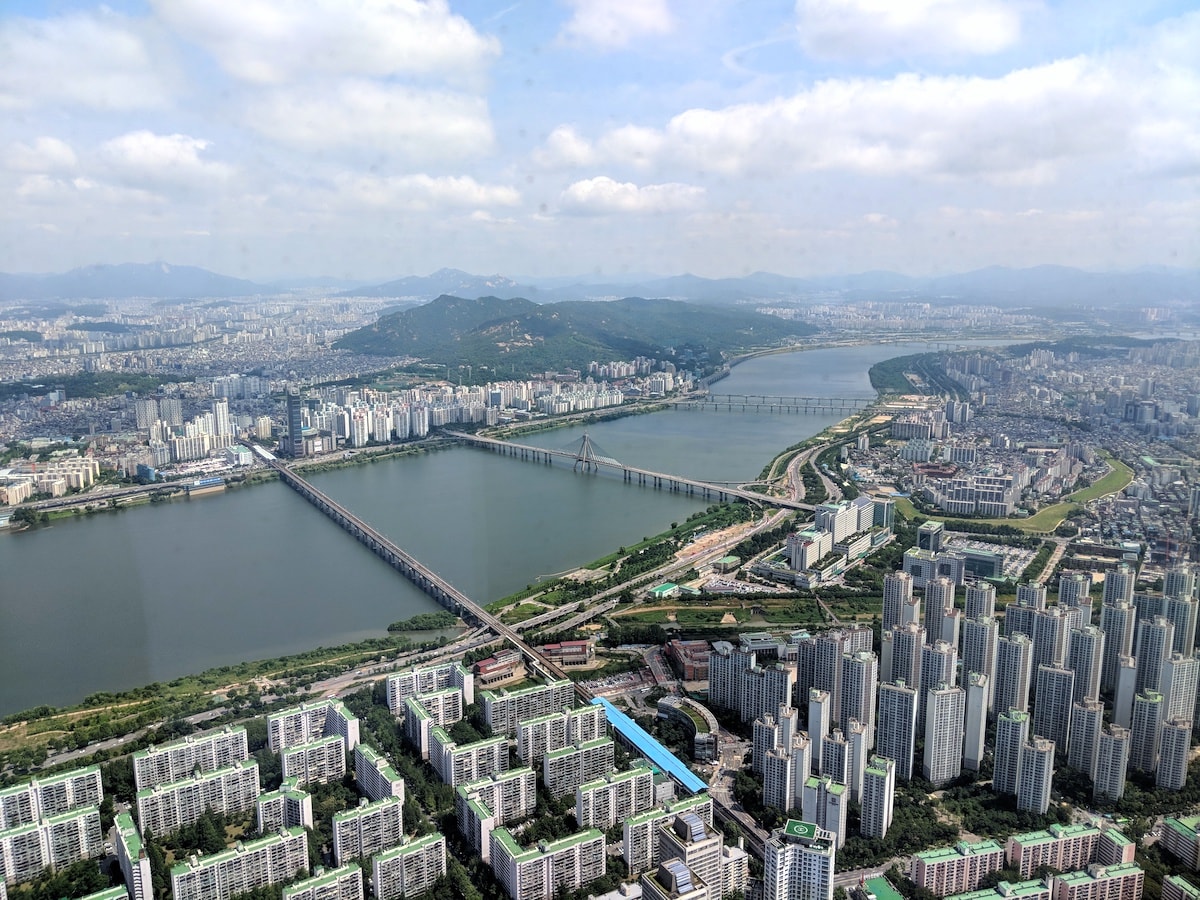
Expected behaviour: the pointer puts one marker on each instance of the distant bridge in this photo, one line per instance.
(765, 403)
(586, 459)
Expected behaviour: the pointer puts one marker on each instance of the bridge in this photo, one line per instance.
(415, 571)
(761, 403)
(586, 459)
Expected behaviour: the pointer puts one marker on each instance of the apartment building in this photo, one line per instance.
(503, 710)
(179, 759)
(269, 860)
(538, 736)
(427, 680)
(542, 871)
(24, 804)
(563, 769)
(319, 762)
(956, 869)
(639, 833)
(133, 859)
(458, 765)
(52, 842)
(344, 883)
(285, 808)
(614, 797)
(165, 808)
(368, 829)
(309, 723)
(410, 869)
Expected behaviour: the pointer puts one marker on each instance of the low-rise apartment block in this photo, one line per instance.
(177, 760)
(166, 808)
(563, 769)
(956, 869)
(410, 869)
(309, 723)
(52, 842)
(1067, 848)
(270, 860)
(540, 872)
(536, 737)
(133, 859)
(1179, 838)
(288, 807)
(345, 883)
(24, 804)
(459, 765)
(1034, 889)
(613, 798)
(1176, 887)
(319, 762)
(375, 776)
(369, 829)
(427, 680)
(1097, 882)
(503, 710)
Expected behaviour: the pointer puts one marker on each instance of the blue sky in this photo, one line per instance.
(377, 138)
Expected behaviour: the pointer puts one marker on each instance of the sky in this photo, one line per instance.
(372, 139)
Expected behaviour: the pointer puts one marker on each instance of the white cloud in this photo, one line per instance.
(423, 192)
(878, 30)
(613, 24)
(381, 119)
(98, 61)
(565, 148)
(271, 43)
(142, 157)
(595, 196)
(1028, 127)
(46, 154)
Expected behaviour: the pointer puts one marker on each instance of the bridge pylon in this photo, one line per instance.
(586, 456)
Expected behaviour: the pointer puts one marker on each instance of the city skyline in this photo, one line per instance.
(369, 140)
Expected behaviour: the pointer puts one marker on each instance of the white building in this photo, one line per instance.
(799, 863)
(410, 869)
(269, 860)
(179, 759)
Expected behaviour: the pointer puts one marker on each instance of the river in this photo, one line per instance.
(118, 600)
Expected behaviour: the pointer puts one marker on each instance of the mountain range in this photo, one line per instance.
(1058, 286)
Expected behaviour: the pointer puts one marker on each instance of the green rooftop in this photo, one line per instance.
(1084, 876)
(233, 852)
(962, 848)
(1184, 886)
(1007, 890)
(882, 889)
(1054, 833)
(325, 878)
(412, 846)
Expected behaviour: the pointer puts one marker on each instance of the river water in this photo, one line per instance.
(148, 594)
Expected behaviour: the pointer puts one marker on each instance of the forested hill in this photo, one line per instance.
(518, 337)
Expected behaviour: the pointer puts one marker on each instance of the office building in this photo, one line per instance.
(410, 869)
(1052, 705)
(1112, 759)
(1145, 731)
(1087, 723)
(825, 802)
(133, 859)
(1012, 732)
(944, 714)
(535, 737)
(1085, 657)
(53, 842)
(375, 776)
(165, 808)
(1035, 773)
(544, 870)
(207, 752)
(673, 880)
(879, 797)
(692, 841)
(320, 762)
(1155, 638)
(311, 722)
(614, 797)
(457, 765)
(896, 736)
(1014, 672)
(428, 680)
(975, 720)
(1117, 622)
(253, 864)
(980, 601)
(563, 769)
(503, 710)
(288, 807)
(799, 863)
(639, 844)
(899, 605)
(955, 869)
(860, 678)
(1175, 741)
(345, 883)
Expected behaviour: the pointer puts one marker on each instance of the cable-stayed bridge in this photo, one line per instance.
(585, 457)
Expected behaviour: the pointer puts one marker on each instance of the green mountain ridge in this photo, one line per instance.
(517, 336)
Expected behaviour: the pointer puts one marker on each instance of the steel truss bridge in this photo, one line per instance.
(584, 458)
